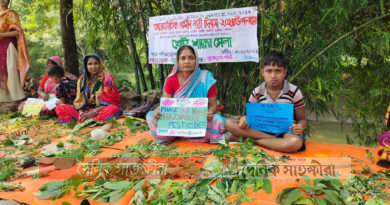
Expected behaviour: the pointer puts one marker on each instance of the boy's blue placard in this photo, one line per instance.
(274, 118)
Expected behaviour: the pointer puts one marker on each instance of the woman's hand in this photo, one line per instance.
(157, 113)
(212, 108)
(210, 115)
(59, 102)
(12, 33)
(243, 124)
(85, 116)
(297, 129)
(44, 96)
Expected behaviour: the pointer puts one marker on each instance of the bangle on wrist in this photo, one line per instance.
(94, 111)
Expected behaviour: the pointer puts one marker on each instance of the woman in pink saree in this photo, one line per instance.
(47, 87)
(97, 95)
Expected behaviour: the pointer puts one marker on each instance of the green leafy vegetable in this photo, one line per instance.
(60, 144)
(109, 191)
(54, 189)
(8, 169)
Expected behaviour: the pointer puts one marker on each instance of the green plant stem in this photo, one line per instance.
(173, 6)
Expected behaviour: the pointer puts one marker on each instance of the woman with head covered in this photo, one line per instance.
(97, 96)
(47, 87)
(187, 80)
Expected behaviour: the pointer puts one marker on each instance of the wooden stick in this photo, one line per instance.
(121, 149)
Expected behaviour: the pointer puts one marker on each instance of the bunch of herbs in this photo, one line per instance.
(8, 169)
(106, 191)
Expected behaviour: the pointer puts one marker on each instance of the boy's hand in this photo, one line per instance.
(210, 116)
(243, 124)
(297, 129)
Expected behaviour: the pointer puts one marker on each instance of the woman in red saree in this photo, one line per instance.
(14, 58)
(47, 86)
(97, 95)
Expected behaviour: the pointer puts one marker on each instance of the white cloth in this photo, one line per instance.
(14, 89)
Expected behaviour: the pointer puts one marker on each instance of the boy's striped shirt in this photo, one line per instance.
(290, 94)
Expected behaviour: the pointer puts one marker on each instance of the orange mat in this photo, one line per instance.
(314, 149)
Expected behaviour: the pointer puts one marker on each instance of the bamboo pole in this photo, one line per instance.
(145, 42)
(261, 46)
(335, 42)
(173, 6)
(131, 48)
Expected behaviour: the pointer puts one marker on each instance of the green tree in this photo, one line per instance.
(40, 21)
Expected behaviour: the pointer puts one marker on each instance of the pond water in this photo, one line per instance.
(329, 131)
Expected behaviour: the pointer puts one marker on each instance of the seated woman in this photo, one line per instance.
(384, 144)
(66, 89)
(97, 96)
(47, 87)
(187, 80)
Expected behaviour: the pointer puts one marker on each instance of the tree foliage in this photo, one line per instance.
(41, 24)
(338, 49)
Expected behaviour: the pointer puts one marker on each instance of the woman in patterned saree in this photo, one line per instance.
(97, 96)
(14, 58)
(187, 80)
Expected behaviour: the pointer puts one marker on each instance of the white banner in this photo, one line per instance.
(219, 36)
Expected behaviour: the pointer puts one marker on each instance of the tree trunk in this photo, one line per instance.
(68, 37)
(138, 63)
(161, 68)
(138, 85)
(145, 41)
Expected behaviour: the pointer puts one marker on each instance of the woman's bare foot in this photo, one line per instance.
(233, 138)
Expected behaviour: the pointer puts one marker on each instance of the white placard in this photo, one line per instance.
(51, 104)
(34, 100)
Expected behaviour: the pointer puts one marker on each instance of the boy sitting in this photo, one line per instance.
(275, 89)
